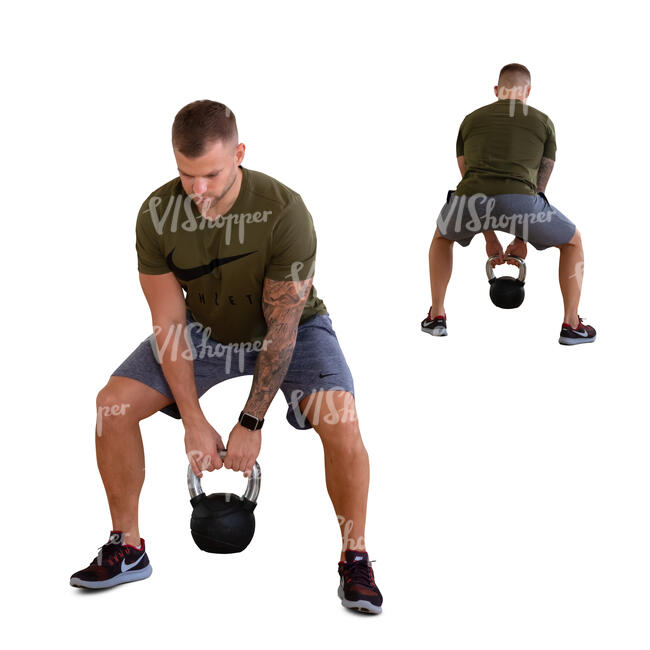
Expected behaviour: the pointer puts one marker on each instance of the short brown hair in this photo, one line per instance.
(201, 123)
(512, 74)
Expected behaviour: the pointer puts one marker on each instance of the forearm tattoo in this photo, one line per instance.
(544, 173)
(282, 303)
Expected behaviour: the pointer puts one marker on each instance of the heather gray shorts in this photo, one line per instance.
(530, 217)
(317, 364)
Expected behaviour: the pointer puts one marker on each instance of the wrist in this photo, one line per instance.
(193, 419)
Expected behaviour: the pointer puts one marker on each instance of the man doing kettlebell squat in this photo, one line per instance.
(226, 259)
(506, 152)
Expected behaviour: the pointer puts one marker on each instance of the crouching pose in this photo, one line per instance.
(229, 287)
(506, 152)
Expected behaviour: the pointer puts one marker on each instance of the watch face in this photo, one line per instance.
(249, 421)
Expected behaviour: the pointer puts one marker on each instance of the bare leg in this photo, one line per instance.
(347, 469)
(440, 265)
(121, 405)
(570, 274)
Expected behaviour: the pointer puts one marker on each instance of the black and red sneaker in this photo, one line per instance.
(436, 326)
(115, 563)
(358, 589)
(581, 334)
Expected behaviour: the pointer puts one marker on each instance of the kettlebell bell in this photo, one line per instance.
(506, 292)
(223, 522)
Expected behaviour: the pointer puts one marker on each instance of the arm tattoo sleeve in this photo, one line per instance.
(282, 303)
(544, 173)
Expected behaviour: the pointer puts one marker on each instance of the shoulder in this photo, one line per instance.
(156, 208)
(542, 117)
(482, 110)
(284, 202)
(169, 190)
(270, 190)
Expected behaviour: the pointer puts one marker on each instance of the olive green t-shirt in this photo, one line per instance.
(503, 144)
(221, 263)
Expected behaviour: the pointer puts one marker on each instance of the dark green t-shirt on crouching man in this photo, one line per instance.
(221, 263)
(503, 144)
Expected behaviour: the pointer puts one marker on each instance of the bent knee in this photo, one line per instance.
(113, 400)
(343, 438)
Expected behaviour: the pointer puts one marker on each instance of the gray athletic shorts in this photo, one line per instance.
(529, 217)
(317, 364)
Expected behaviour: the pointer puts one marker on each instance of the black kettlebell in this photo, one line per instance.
(223, 522)
(507, 292)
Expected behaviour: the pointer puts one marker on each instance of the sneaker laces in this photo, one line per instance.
(361, 573)
(108, 551)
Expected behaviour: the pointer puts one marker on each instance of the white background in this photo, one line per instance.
(509, 486)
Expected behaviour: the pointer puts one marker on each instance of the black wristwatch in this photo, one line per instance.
(250, 421)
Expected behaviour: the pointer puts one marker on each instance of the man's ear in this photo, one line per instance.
(496, 91)
(239, 152)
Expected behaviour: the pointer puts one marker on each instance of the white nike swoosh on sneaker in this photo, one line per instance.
(126, 567)
(585, 333)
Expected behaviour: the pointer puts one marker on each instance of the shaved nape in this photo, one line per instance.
(514, 80)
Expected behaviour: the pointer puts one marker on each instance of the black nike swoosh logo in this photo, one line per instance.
(197, 271)
(329, 374)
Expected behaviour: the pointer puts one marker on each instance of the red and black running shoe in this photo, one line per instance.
(115, 563)
(358, 589)
(435, 326)
(581, 334)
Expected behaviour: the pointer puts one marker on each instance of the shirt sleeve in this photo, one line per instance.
(148, 243)
(293, 244)
(549, 145)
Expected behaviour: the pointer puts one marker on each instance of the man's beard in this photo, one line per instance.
(207, 205)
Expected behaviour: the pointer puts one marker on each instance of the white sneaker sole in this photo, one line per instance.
(436, 331)
(127, 576)
(569, 340)
(360, 605)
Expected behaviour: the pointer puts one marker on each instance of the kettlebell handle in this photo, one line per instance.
(252, 489)
(522, 267)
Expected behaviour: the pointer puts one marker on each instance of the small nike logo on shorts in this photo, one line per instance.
(321, 375)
